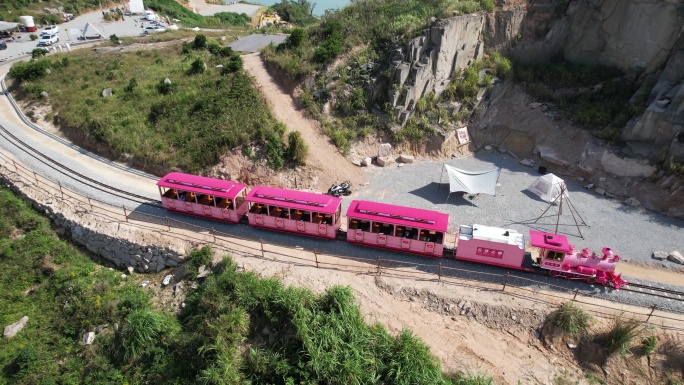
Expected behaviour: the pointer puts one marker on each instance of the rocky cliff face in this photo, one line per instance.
(429, 61)
(642, 38)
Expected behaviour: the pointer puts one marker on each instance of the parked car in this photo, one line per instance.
(154, 28)
(47, 40)
(50, 30)
(3, 45)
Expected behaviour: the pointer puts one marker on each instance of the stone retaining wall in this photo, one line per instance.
(112, 240)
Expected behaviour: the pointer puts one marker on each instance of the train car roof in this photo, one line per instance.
(202, 185)
(398, 215)
(299, 200)
(549, 241)
(494, 234)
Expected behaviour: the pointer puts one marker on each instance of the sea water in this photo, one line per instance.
(319, 9)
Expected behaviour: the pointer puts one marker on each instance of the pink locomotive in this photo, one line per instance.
(562, 260)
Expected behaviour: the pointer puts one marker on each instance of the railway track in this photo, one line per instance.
(655, 291)
(71, 173)
(668, 294)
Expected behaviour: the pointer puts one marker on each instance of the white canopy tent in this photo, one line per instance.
(90, 32)
(549, 187)
(136, 7)
(471, 182)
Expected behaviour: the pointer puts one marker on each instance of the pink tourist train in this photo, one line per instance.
(294, 211)
(397, 227)
(206, 197)
(382, 225)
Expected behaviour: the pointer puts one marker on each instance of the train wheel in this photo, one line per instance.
(591, 280)
(554, 273)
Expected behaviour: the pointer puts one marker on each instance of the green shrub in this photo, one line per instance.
(29, 70)
(331, 46)
(296, 37)
(145, 329)
(572, 319)
(297, 149)
(200, 42)
(38, 53)
(114, 39)
(198, 66)
(274, 151)
(33, 37)
(648, 345)
(131, 85)
(621, 335)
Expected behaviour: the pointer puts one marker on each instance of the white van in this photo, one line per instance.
(150, 16)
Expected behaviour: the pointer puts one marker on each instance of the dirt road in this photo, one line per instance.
(327, 161)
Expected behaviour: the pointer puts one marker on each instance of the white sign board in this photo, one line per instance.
(462, 134)
(136, 6)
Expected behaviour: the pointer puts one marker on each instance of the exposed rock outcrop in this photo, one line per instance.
(429, 61)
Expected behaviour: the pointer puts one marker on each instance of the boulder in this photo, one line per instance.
(384, 150)
(632, 202)
(88, 338)
(385, 161)
(405, 158)
(527, 162)
(12, 330)
(367, 161)
(549, 155)
(534, 105)
(659, 255)
(107, 92)
(625, 166)
(600, 191)
(676, 257)
(45, 95)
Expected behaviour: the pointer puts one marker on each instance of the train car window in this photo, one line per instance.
(387, 229)
(306, 216)
(171, 194)
(399, 230)
(257, 208)
(555, 255)
(438, 237)
(353, 224)
(186, 196)
(376, 227)
(327, 219)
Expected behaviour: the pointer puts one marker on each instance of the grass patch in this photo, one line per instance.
(621, 335)
(571, 319)
(187, 124)
(594, 97)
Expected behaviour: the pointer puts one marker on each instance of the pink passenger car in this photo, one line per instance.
(493, 246)
(294, 211)
(397, 227)
(207, 197)
(561, 259)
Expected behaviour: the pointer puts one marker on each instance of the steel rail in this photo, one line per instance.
(61, 168)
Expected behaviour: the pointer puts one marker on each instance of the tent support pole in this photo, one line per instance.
(547, 209)
(448, 195)
(440, 179)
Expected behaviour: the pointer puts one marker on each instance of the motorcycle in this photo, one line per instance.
(343, 188)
